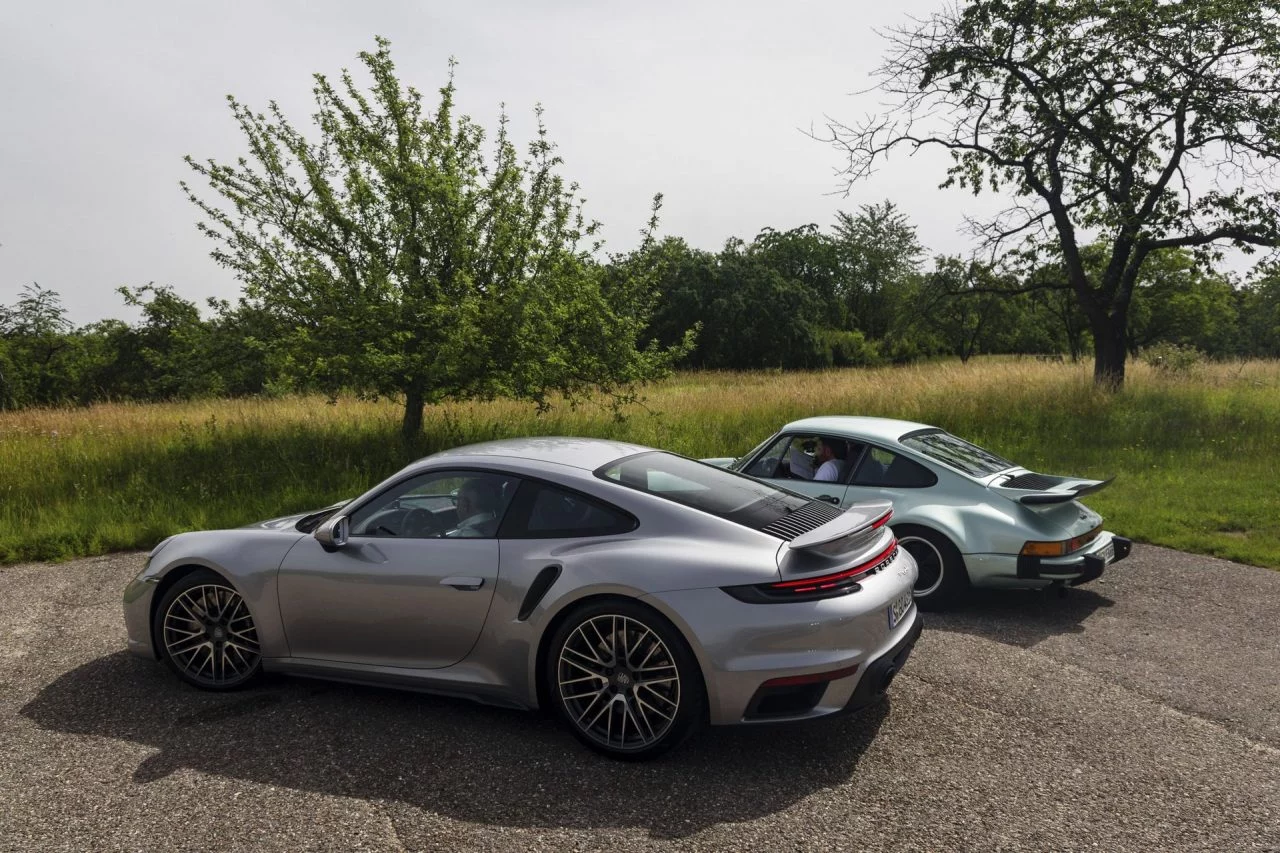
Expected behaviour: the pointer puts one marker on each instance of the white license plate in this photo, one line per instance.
(1108, 554)
(899, 607)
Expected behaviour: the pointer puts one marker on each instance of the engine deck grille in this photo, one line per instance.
(1032, 482)
(806, 518)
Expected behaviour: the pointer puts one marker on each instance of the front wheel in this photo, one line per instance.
(624, 680)
(206, 633)
(943, 581)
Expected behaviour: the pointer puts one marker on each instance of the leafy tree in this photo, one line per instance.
(1154, 125)
(404, 261)
(962, 301)
(1260, 313)
(38, 350)
(1177, 301)
(878, 253)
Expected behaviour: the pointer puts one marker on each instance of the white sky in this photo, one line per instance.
(701, 101)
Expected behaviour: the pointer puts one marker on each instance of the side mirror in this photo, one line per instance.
(333, 534)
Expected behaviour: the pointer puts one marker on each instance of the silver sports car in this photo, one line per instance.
(636, 592)
(967, 515)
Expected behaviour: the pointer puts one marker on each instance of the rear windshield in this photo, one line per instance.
(956, 452)
(706, 487)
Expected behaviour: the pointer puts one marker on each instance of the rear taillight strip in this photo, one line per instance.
(828, 581)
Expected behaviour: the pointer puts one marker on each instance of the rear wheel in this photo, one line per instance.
(624, 680)
(206, 633)
(943, 581)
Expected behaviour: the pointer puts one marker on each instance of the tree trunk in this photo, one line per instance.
(1109, 351)
(411, 427)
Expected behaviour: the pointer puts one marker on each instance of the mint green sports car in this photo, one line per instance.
(968, 516)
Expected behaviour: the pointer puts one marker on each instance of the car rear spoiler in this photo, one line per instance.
(850, 524)
(1069, 489)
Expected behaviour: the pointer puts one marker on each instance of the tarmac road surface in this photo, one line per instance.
(1141, 712)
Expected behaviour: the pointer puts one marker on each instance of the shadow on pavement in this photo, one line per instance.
(467, 761)
(1020, 617)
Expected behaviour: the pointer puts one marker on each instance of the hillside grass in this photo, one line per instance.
(1196, 456)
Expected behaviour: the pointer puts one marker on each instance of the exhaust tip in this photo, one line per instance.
(888, 677)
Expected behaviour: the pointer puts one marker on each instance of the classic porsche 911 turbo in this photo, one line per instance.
(968, 516)
(636, 592)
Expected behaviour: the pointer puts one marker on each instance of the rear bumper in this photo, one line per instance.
(1075, 570)
(820, 650)
(881, 672)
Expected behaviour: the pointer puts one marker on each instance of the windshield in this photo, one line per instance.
(717, 491)
(956, 452)
(736, 465)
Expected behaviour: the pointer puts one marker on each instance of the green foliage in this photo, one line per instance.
(1155, 125)
(402, 260)
(1174, 358)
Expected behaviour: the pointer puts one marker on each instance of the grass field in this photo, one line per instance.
(1197, 457)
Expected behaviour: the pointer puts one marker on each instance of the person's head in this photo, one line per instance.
(477, 496)
(828, 450)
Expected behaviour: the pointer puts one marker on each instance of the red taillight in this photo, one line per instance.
(824, 582)
(796, 680)
(882, 520)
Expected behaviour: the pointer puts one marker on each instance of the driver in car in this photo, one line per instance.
(478, 502)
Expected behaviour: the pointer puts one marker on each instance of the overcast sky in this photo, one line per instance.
(701, 101)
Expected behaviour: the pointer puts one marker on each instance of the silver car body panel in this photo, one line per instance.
(378, 611)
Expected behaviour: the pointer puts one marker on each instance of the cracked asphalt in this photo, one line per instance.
(1141, 712)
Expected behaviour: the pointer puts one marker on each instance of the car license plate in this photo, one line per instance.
(1108, 554)
(899, 607)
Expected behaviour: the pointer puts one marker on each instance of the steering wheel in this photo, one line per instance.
(420, 524)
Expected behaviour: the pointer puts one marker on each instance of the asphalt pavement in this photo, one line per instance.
(1141, 712)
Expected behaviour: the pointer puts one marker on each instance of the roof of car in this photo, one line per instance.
(586, 453)
(876, 429)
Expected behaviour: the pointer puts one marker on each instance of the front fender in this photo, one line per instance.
(249, 559)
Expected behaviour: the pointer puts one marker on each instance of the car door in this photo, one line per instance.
(412, 585)
(789, 463)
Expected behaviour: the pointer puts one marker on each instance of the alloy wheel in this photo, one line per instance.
(210, 636)
(618, 682)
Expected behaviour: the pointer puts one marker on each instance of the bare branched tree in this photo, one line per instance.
(1146, 124)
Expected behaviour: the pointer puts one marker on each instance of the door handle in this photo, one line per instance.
(831, 499)
(463, 583)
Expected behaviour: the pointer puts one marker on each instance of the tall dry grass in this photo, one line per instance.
(1196, 454)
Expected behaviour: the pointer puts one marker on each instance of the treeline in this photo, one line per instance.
(859, 293)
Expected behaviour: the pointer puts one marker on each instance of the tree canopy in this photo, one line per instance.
(403, 260)
(1144, 124)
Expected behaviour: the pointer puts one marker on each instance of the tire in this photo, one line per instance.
(631, 705)
(206, 634)
(943, 581)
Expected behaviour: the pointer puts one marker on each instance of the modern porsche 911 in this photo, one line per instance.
(635, 592)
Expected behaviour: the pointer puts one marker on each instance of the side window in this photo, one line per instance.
(453, 504)
(800, 457)
(880, 467)
(547, 512)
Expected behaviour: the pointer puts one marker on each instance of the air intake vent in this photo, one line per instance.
(806, 518)
(1032, 482)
